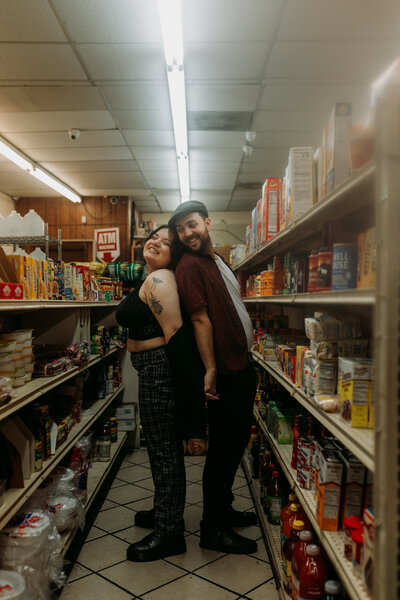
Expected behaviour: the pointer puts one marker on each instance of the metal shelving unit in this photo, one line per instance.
(332, 541)
(357, 297)
(30, 305)
(359, 441)
(35, 240)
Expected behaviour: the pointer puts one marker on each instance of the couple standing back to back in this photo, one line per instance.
(222, 375)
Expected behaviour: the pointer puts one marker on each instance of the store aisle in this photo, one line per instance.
(101, 571)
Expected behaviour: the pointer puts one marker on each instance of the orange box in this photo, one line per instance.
(330, 473)
(271, 192)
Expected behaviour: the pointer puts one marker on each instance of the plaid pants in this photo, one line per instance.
(156, 401)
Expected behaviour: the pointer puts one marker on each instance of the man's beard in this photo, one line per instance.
(204, 248)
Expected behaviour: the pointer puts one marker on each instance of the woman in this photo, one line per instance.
(153, 317)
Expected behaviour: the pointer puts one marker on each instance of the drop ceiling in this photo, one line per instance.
(273, 66)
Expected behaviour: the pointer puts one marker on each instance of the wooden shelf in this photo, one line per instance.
(356, 193)
(41, 385)
(357, 297)
(332, 541)
(359, 441)
(272, 533)
(15, 497)
(96, 476)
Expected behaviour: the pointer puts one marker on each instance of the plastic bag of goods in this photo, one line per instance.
(12, 586)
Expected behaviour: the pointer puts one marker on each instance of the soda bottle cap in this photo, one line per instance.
(294, 507)
(275, 474)
(333, 587)
(292, 497)
(306, 536)
(299, 525)
(313, 550)
(272, 466)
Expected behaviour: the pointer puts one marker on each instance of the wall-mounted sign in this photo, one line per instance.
(107, 244)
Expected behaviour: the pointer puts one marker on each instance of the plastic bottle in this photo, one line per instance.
(296, 435)
(38, 254)
(13, 224)
(299, 554)
(275, 498)
(312, 574)
(333, 590)
(287, 554)
(32, 224)
(268, 476)
(3, 229)
(288, 516)
(253, 435)
(255, 458)
(265, 461)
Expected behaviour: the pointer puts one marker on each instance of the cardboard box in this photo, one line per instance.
(126, 425)
(22, 268)
(329, 491)
(11, 291)
(26, 432)
(300, 197)
(282, 204)
(352, 487)
(271, 193)
(354, 368)
(259, 208)
(21, 444)
(338, 145)
(126, 411)
(371, 412)
(254, 228)
(354, 398)
(323, 185)
(248, 239)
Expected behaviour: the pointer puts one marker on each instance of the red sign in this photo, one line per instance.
(107, 244)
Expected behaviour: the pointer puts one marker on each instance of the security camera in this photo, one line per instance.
(74, 134)
(114, 200)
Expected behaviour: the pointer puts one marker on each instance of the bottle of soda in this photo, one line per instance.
(299, 554)
(287, 553)
(255, 458)
(296, 435)
(275, 498)
(285, 514)
(313, 574)
(268, 476)
(265, 460)
(333, 590)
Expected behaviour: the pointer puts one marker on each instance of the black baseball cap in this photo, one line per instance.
(185, 209)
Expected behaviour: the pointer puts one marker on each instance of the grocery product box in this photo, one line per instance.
(11, 291)
(366, 262)
(354, 368)
(282, 204)
(323, 185)
(283, 429)
(325, 376)
(58, 280)
(271, 193)
(126, 424)
(338, 145)
(354, 399)
(249, 244)
(353, 486)
(371, 413)
(329, 491)
(126, 411)
(300, 196)
(23, 269)
(367, 563)
(68, 281)
(259, 207)
(254, 229)
(300, 350)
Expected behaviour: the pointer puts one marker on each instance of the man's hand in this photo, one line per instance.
(210, 385)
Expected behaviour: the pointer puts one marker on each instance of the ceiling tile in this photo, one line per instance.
(71, 154)
(161, 177)
(244, 61)
(29, 21)
(222, 154)
(161, 165)
(160, 139)
(216, 204)
(39, 62)
(137, 97)
(118, 21)
(207, 195)
(144, 120)
(26, 141)
(340, 20)
(55, 121)
(290, 120)
(245, 205)
(153, 154)
(260, 168)
(209, 181)
(124, 62)
(111, 191)
(221, 97)
(356, 61)
(215, 166)
(229, 20)
(63, 97)
(285, 139)
(216, 139)
(253, 178)
(94, 166)
(168, 204)
(105, 180)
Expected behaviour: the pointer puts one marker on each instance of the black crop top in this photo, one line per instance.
(136, 315)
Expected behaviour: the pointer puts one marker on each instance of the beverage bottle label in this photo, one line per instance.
(275, 507)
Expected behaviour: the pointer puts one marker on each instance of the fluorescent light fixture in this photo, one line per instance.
(7, 150)
(171, 25)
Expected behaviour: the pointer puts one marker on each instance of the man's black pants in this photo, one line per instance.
(229, 421)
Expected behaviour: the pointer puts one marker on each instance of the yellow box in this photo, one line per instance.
(299, 364)
(35, 269)
(355, 400)
(371, 417)
(22, 267)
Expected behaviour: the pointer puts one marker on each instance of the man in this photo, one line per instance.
(223, 330)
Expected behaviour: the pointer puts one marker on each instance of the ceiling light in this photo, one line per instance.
(23, 162)
(250, 136)
(171, 26)
(248, 150)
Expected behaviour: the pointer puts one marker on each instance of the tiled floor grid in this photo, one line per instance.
(101, 571)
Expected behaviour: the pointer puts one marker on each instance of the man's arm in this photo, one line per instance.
(204, 338)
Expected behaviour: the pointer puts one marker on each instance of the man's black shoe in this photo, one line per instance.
(145, 519)
(227, 540)
(236, 518)
(153, 548)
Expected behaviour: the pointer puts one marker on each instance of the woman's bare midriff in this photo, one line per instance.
(138, 345)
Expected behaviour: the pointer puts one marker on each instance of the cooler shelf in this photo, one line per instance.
(359, 441)
(14, 498)
(332, 541)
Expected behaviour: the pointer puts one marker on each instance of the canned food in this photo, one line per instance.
(344, 267)
(324, 270)
(312, 271)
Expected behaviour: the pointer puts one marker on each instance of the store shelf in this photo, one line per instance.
(332, 541)
(96, 476)
(28, 305)
(271, 533)
(362, 297)
(359, 441)
(14, 498)
(353, 194)
(41, 385)
(27, 240)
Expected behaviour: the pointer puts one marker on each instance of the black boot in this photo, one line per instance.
(237, 518)
(145, 518)
(226, 540)
(153, 548)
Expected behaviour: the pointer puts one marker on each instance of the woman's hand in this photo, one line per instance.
(210, 385)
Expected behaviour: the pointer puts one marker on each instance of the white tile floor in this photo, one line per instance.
(101, 571)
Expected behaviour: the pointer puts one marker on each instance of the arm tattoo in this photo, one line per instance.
(155, 281)
(155, 304)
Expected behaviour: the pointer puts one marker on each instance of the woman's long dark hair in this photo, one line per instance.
(176, 246)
